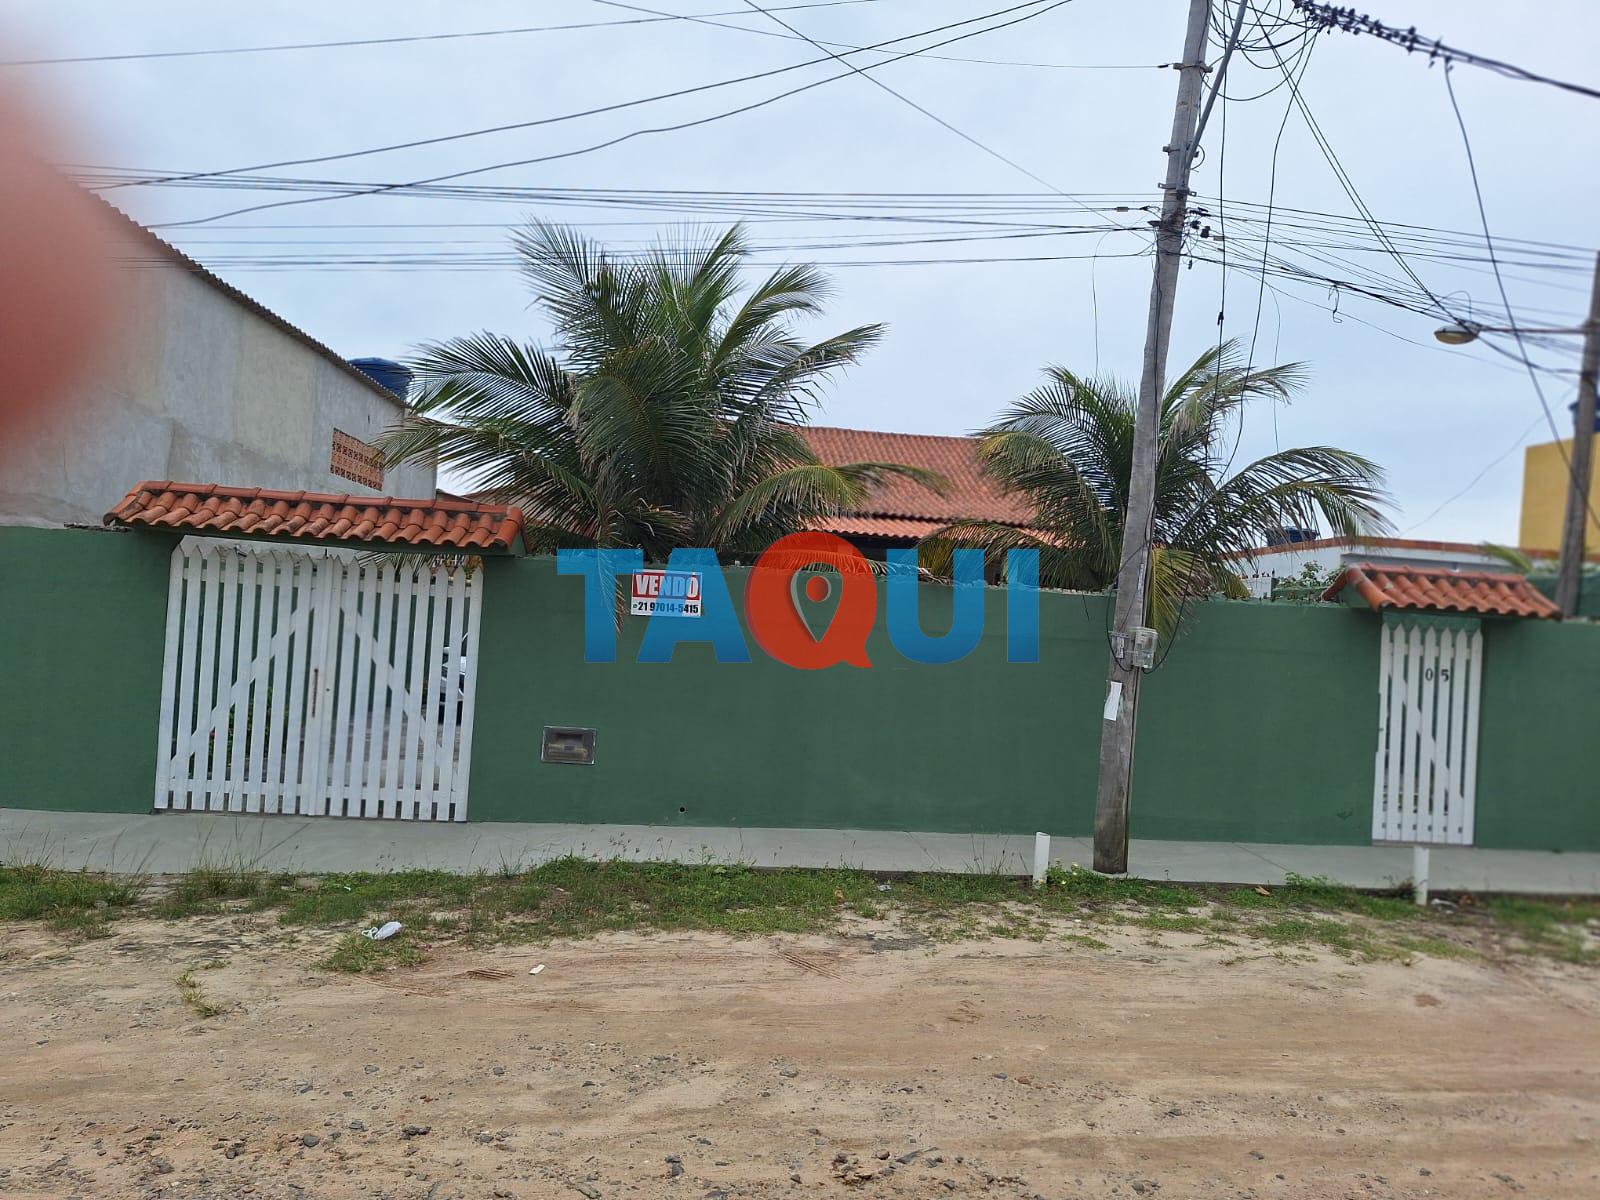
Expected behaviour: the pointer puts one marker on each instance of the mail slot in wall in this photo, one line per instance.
(568, 744)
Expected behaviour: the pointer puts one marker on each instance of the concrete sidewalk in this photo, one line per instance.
(176, 842)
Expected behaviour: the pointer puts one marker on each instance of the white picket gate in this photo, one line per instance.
(1425, 777)
(318, 684)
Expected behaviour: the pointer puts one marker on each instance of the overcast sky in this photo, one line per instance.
(964, 338)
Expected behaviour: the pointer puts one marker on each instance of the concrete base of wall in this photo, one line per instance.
(178, 842)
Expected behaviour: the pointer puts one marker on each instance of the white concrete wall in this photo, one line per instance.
(197, 388)
(1289, 561)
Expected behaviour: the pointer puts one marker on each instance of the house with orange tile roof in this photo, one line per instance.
(901, 512)
(1286, 557)
(204, 383)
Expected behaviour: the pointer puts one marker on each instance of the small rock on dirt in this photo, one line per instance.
(412, 1131)
(310, 1140)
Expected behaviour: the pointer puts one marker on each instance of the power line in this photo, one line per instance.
(1476, 479)
(505, 262)
(796, 35)
(904, 99)
(1324, 17)
(1483, 217)
(602, 145)
(571, 116)
(391, 41)
(791, 205)
(1350, 191)
(1266, 241)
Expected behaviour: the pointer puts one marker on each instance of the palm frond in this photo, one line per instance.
(1067, 450)
(668, 414)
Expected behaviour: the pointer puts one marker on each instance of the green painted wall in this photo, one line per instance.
(82, 618)
(1539, 736)
(1260, 726)
(962, 746)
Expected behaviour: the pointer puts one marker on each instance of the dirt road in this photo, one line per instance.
(700, 1066)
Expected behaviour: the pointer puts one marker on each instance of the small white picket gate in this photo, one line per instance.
(1425, 776)
(318, 684)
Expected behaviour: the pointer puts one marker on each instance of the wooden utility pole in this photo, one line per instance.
(1133, 577)
(1569, 584)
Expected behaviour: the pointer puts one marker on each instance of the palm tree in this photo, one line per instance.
(1068, 449)
(671, 416)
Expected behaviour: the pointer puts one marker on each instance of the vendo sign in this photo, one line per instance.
(666, 594)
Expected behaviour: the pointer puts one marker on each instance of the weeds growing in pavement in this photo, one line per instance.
(573, 897)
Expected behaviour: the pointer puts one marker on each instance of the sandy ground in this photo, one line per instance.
(701, 1067)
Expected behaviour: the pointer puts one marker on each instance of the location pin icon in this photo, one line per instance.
(816, 593)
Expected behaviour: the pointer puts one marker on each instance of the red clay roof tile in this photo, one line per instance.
(884, 527)
(971, 493)
(1430, 589)
(315, 516)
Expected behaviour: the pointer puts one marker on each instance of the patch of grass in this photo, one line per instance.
(1174, 923)
(78, 903)
(207, 888)
(572, 897)
(1300, 891)
(1077, 887)
(189, 989)
(576, 898)
(80, 922)
(1315, 893)
(1303, 930)
(344, 899)
(1340, 936)
(941, 891)
(359, 955)
(1534, 915)
(1435, 947)
(1551, 927)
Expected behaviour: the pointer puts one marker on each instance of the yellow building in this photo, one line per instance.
(1544, 497)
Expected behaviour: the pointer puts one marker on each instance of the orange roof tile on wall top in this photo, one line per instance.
(216, 509)
(1485, 593)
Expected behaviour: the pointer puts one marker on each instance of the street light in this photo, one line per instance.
(1580, 463)
(1458, 333)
